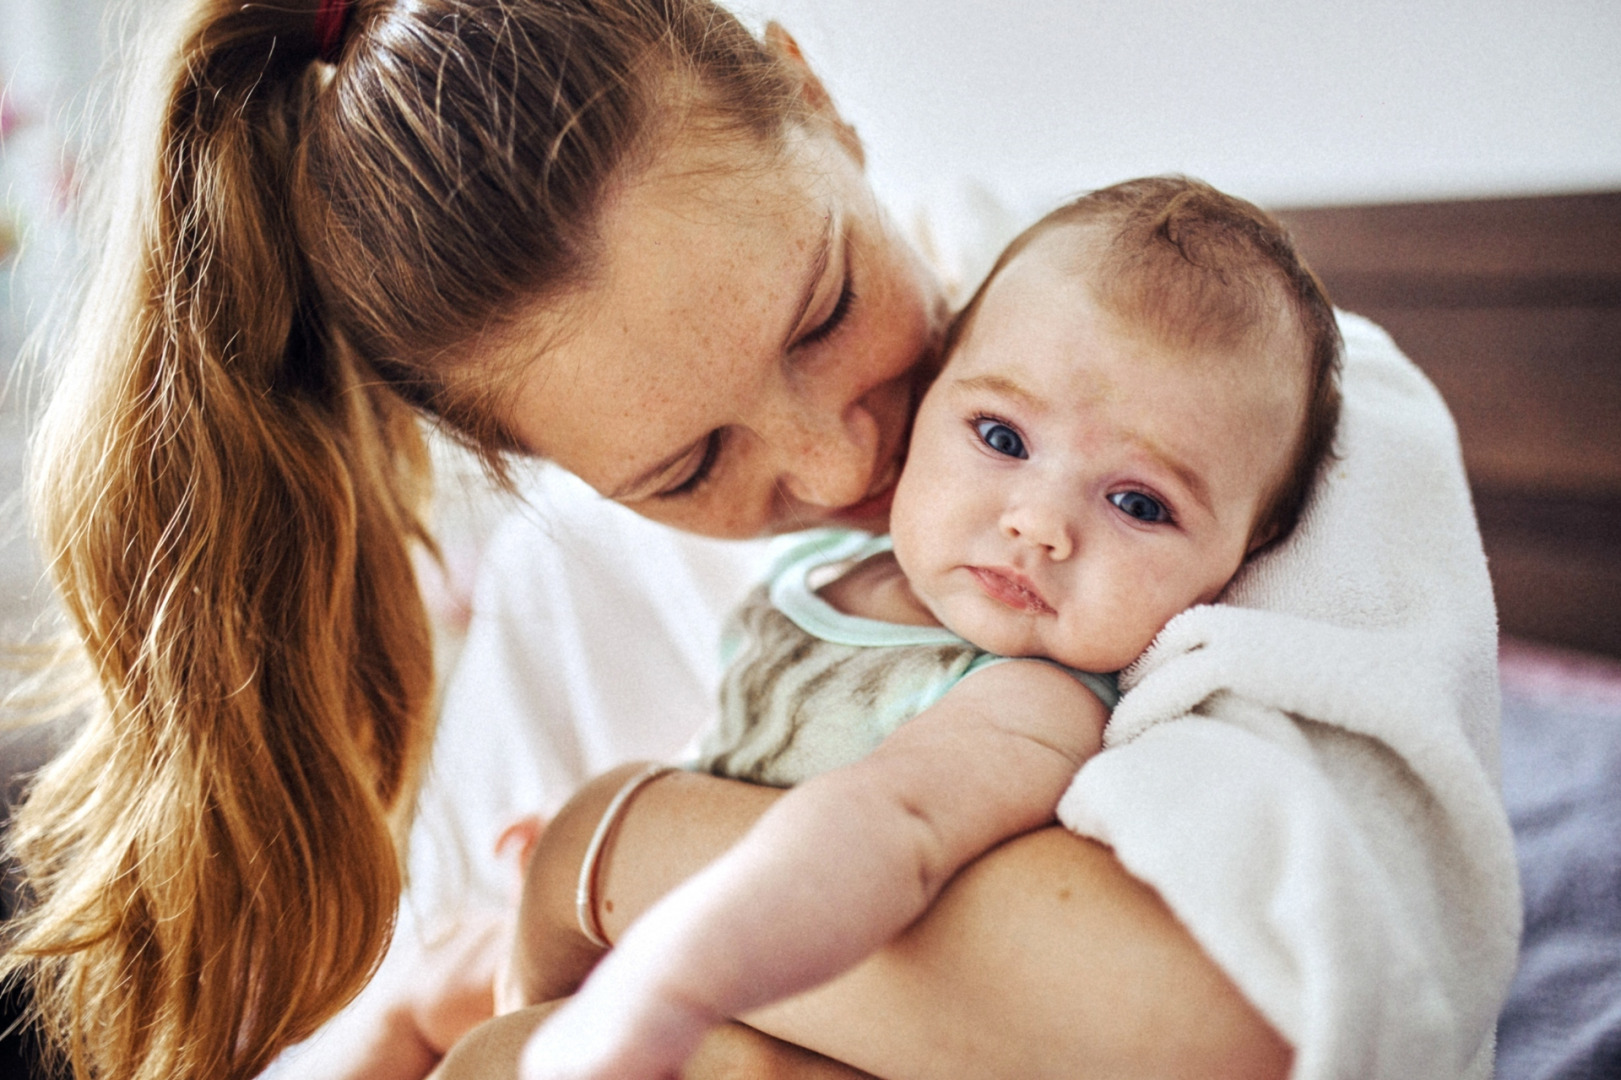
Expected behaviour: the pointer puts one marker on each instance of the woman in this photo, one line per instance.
(627, 236)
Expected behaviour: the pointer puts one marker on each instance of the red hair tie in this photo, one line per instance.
(330, 19)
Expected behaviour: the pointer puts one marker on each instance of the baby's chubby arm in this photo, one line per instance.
(836, 868)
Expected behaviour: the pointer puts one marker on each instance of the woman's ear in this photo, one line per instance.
(821, 105)
(787, 49)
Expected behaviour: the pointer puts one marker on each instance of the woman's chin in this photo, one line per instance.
(870, 515)
(866, 522)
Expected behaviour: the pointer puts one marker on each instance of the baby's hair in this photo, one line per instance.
(228, 482)
(1188, 265)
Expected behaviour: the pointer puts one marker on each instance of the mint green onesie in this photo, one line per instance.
(809, 688)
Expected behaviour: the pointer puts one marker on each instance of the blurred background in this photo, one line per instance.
(1282, 102)
(978, 115)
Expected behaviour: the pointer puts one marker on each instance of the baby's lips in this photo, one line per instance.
(1013, 589)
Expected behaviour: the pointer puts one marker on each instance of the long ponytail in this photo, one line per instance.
(228, 479)
(226, 498)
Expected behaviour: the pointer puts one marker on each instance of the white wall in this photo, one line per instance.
(1284, 101)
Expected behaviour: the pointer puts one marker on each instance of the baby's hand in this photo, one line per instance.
(609, 1032)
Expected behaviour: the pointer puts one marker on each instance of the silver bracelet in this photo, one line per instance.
(585, 893)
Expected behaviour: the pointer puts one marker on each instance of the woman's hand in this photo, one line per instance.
(426, 996)
(614, 1029)
(550, 955)
(729, 1052)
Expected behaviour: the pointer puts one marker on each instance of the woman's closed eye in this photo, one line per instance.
(1000, 437)
(716, 441)
(702, 471)
(835, 318)
(1141, 507)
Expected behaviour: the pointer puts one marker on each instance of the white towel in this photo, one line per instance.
(1314, 794)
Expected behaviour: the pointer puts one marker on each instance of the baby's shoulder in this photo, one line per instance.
(1035, 700)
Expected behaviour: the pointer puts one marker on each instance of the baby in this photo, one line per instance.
(1135, 402)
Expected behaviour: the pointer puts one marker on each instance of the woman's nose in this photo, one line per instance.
(1042, 524)
(824, 455)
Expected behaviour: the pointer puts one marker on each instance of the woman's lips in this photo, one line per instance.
(1011, 588)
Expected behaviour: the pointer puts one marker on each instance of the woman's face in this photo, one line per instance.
(749, 354)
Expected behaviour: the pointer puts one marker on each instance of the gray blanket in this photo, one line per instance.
(1562, 783)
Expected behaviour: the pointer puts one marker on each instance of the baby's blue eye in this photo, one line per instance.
(1144, 508)
(1001, 438)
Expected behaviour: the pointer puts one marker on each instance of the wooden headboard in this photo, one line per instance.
(1513, 309)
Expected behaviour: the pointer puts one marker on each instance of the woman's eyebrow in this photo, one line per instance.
(824, 252)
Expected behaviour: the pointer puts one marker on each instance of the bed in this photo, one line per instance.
(1513, 309)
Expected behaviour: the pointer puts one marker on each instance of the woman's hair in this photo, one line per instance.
(229, 477)
(1192, 267)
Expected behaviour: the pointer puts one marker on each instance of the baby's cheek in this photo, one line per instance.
(1122, 625)
(909, 523)
(1111, 647)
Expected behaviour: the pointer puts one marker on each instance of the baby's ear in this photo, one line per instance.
(781, 42)
(1262, 538)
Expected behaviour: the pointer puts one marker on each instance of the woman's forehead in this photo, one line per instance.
(724, 179)
(707, 262)
(709, 212)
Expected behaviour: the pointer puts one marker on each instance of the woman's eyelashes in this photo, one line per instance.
(1000, 437)
(836, 317)
(717, 438)
(704, 470)
(841, 306)
(1141, 507)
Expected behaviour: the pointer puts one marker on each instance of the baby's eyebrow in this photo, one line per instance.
(1003, 386)
(1190, 478)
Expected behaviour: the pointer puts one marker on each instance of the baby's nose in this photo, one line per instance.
(1040, 526)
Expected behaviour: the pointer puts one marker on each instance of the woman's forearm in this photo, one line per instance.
(730, 1052)
(1044, 958)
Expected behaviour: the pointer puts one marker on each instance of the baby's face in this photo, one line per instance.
(1072, 486)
